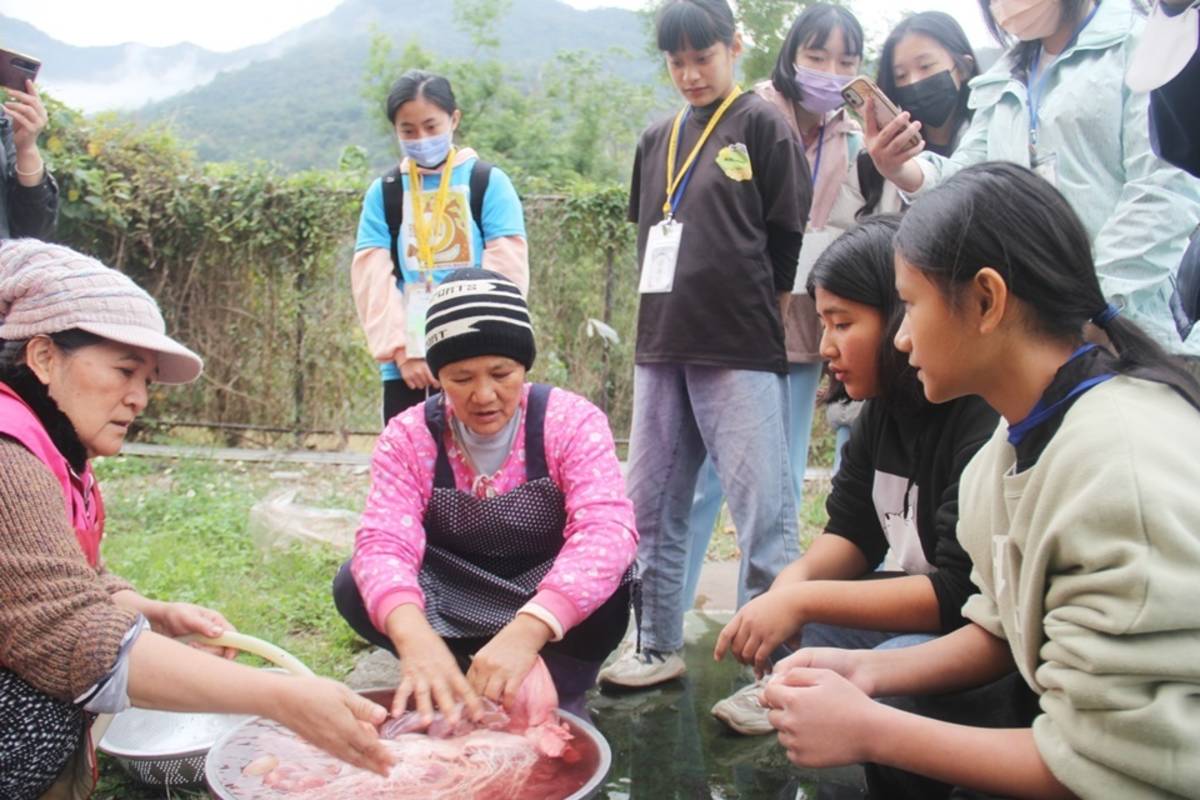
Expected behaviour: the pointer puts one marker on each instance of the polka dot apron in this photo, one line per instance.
(484, 557)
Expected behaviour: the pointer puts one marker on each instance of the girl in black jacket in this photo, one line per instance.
(894, 503)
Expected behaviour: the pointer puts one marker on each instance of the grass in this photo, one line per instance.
(179, 530)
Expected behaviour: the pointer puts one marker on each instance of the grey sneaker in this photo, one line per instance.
(743, 712)
(647, 668)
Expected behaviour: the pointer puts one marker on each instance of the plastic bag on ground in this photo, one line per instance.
(278, 521)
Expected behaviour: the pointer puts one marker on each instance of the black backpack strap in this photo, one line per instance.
(435, 420)
(535, 427)
(481, 175)
(393, 213)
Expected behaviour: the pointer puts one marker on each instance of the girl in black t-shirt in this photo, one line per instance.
(720, 193)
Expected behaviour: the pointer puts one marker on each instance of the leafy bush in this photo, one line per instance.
(251, 269)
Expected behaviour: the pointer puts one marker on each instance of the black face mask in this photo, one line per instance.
(930, 101)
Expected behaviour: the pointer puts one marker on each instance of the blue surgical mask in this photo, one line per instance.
(430, 151)
(821, 91)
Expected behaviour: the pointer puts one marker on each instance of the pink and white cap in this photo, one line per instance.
(48, 288)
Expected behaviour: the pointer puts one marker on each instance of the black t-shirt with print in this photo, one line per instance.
(741, 238)
(924, 454)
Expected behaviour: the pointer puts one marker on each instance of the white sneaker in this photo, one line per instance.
(743, 712)
(635, 670)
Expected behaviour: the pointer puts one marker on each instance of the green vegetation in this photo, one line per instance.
(765, 24)
(299, 108)
(178, 531)
(251, 265)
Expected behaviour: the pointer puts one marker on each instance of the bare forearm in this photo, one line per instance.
(995, 761)
(966, 658)
(167, 675)
(889, 604)
(408, 628)
(830, 557)
(30, 167)
(910, 177)
(130, 599)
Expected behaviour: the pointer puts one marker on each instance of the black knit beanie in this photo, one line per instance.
(477, 312)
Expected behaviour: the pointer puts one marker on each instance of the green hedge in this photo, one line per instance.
(251, 268)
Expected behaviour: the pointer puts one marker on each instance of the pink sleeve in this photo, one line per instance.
(390, 544)
(509, 255)
(379, 303)
(601, 537)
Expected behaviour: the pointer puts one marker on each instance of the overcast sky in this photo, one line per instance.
(230, 24)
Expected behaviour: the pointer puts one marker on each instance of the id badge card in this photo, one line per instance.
(1046, 168)
(416, 304)
(815, 243)
(662, 254)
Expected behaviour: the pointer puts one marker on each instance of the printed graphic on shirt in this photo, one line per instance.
(452, 234)
(734, 161)
(899, 521)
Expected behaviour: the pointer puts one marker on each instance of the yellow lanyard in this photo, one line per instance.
(674, 180)
(424, 229)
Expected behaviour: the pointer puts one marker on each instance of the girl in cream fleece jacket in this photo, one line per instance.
(1079, 516)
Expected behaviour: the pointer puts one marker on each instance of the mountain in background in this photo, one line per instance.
(298, 99)
(123, 76)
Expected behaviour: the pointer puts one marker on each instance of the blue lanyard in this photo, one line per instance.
(1041, 412)
(687, 176)
(1035, 84)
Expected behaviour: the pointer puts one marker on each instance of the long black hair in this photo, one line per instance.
(949, 35)
(812, 29)
(859, 266)
(419, 83)
(698, 24)
(1000, 215)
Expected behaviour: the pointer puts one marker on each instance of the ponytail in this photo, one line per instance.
(1003, 216)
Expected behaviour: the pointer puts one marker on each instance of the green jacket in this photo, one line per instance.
(1088, 564)
(1138, 209)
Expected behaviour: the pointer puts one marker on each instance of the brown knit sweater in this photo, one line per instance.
(59, 628)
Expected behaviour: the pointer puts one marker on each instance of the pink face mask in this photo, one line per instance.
(1028, 20)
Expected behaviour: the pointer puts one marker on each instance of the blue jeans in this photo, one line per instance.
(680, 412)
(803, 381)
(841, 435)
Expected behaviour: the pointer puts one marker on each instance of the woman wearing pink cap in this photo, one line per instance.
(79, 346)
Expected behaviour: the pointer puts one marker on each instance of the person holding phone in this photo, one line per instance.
(1057, 102)
(28, 193)
(925, 66)
(469, 215)
(720, 194)
(1079, 516)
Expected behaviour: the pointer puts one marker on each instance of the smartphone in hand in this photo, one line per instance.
(856, 93)
(16, 68)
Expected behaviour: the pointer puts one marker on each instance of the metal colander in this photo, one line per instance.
(167, 772)
(166, 748)
(163, 748)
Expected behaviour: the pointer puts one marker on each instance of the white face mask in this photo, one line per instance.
(1028, 20)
